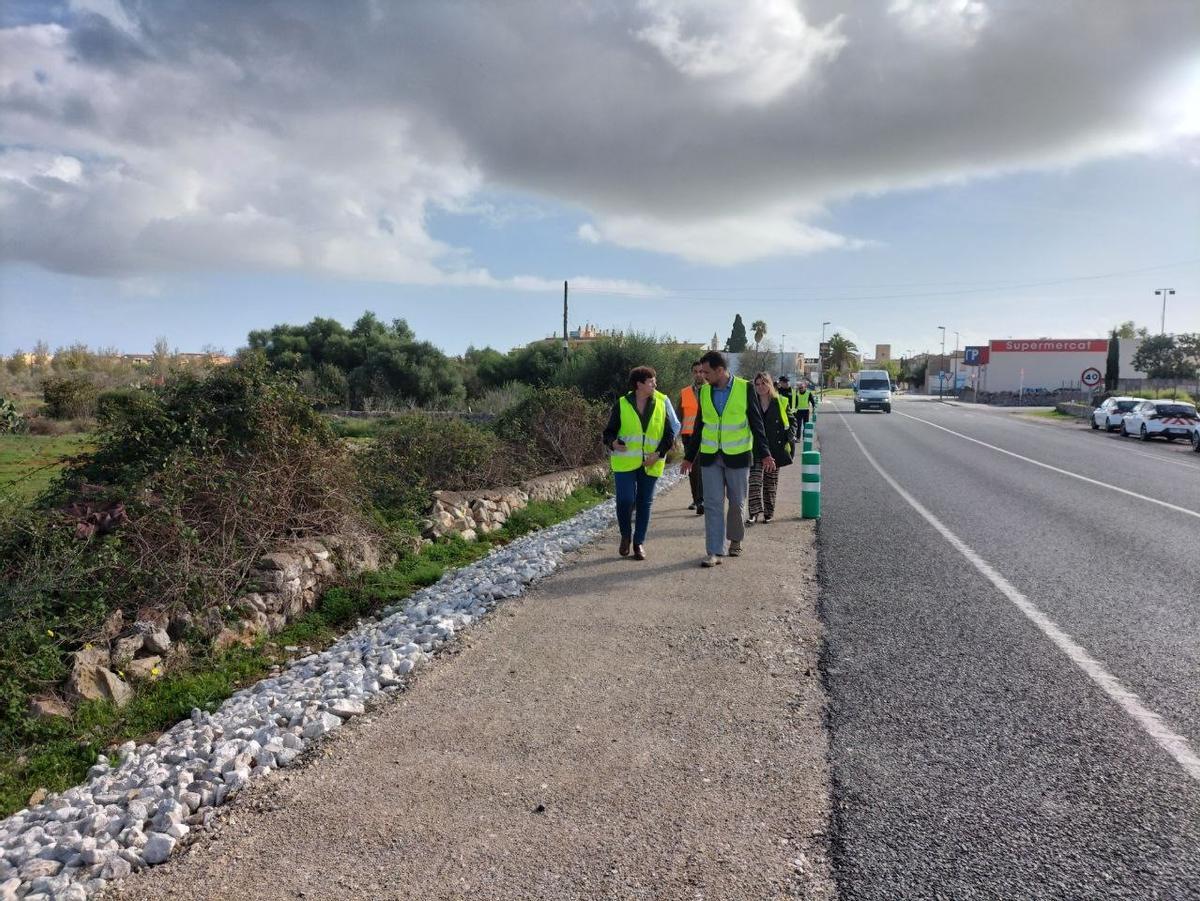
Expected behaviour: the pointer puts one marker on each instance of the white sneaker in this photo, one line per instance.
(710, 560)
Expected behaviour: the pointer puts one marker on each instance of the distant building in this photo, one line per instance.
(883, 353)
(587, 333)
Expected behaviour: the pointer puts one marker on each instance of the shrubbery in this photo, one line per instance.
(187, 487)
(416, 454)
(553, 429)
(11, 420)
(70, 397)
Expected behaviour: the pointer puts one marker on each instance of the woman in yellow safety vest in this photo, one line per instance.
(781, 433)
(640, 431)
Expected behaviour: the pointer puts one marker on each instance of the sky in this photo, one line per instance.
(196, 170)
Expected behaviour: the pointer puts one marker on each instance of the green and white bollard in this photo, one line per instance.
(808, 437)
(810, 485)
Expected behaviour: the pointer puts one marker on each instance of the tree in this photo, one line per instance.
(760, 331)
(17, 364)
(737, 337)
(1112, 363)
(892, 367)
(752, 362)
(381, 364)
(41, 355)
(1161, 357)
(1189, 344)
(161, 364)
(843, 354)
(1128, 330)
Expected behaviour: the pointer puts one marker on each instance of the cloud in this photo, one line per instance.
(138, 139)
(719, 241)
(751, 51)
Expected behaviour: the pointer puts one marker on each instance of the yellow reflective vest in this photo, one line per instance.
(640, 443)
(728, 432)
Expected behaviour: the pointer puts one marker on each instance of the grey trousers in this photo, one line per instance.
(720, 483)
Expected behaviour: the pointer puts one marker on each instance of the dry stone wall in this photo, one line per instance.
(283, 585)
(472, 514)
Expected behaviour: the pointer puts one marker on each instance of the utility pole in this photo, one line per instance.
(566, 346)
(1165, 292)
(782, 345)
(942, 364)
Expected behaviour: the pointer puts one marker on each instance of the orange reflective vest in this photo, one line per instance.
(689, 405)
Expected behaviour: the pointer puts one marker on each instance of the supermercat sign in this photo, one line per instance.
(1082, 345)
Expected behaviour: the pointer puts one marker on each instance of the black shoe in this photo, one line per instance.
(623, 550)
(699, 509)
(752, 520)
(768, 518)
(639, 552)
(692, 505)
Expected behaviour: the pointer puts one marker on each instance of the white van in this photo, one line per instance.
(873, 391)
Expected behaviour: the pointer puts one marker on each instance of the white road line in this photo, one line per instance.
(1113, 445)
(1065, 472)
(1171, 742)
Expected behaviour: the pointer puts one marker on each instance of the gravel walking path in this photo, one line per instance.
(625, 730)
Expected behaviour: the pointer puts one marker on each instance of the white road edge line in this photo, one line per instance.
(1065, 472)
(1171, 742)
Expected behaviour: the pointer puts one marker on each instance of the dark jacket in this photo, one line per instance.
(760, 451)
(779, 436)
(614, 424)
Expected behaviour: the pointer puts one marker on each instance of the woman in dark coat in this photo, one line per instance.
(781, 433)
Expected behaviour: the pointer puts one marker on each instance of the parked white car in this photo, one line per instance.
(1168, 419)
(1109, 414)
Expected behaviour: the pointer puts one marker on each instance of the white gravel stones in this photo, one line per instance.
(134, 810)
(158, 848)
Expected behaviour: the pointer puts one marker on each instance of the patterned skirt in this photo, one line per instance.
(763, 486)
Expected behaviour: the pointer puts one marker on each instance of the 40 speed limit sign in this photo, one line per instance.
(1091, 377)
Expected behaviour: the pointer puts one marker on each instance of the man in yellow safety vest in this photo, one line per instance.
(728, 435)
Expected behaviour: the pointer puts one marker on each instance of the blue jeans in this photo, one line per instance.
(634, 490)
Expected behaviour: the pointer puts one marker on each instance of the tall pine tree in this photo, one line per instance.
(737, 338)
(1112, 363)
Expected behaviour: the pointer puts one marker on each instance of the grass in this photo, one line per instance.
(65, 749)
(839, 392)
(29, 462)
(1051, 414)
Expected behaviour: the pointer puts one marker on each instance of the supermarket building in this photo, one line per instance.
(1047, 364)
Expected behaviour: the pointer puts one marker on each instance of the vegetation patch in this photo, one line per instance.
(29, 463)
(55, 753)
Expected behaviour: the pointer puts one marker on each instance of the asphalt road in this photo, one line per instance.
(974, 751)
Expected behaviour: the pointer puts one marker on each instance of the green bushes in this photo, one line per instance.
(70, 397)
(188, 485)
(601, 371)
(553, 429)
(416, 454)
(11, 420)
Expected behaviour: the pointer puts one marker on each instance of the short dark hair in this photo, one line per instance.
(697, 363)
(784, 378)
(639, 374)
(714, 359)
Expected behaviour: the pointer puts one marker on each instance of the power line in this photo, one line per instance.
(723, 293)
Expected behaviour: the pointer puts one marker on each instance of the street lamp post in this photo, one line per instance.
(1165, 292)
(942, 363)
(782, 352)
(954, 384)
